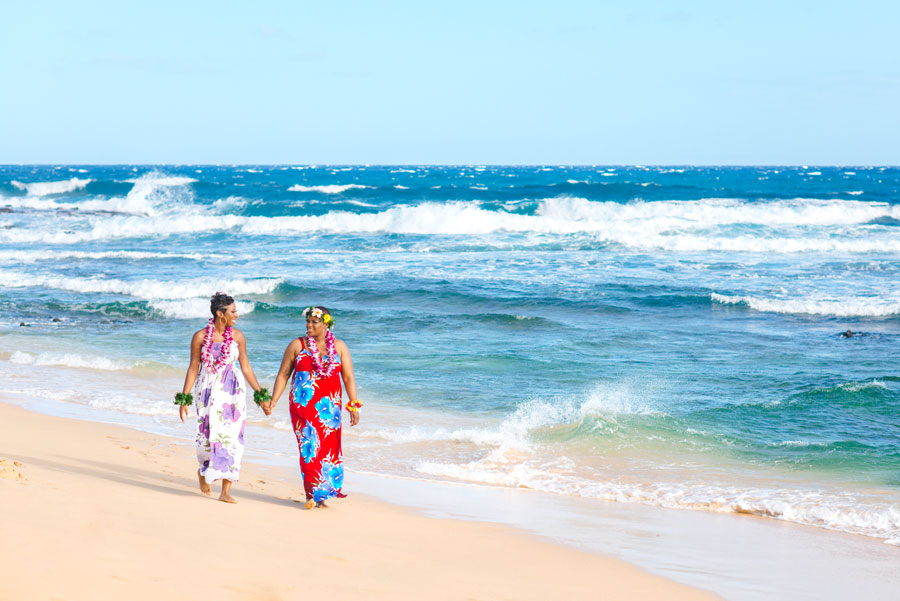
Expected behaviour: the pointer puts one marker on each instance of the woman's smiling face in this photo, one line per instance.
(230, 314)
(315, 327)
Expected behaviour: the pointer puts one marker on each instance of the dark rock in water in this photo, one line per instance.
(22, 324)
(56, 320)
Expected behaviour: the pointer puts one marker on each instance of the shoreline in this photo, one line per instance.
(135, 525)
(739, 557)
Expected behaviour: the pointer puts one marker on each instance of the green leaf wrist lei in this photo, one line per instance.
(261, 396)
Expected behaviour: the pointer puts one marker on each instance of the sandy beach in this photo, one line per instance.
(96, 511)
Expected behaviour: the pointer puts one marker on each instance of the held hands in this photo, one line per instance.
(262, 398)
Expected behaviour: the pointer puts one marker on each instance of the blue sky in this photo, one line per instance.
(561, 82)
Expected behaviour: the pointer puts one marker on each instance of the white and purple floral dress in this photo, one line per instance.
(221, 411)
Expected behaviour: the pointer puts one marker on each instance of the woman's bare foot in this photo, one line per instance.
(204, 486)
(309, 504)
(321, 504)
(226, 488)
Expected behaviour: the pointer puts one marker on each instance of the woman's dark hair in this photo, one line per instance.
(218, 302)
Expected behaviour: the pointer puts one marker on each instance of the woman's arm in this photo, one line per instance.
(244, 361)
(193, 369)
(347, 377)
(284, 373)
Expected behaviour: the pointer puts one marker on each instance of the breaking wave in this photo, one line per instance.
(837, 307)
(50, 188)
(196, 288)
(794, 226)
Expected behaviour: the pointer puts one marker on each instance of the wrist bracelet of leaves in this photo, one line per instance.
(261, 396)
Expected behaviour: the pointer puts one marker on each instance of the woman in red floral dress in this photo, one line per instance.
(315, 403)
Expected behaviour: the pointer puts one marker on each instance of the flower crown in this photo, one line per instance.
(318, 313)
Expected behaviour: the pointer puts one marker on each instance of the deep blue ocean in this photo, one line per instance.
(667, 336)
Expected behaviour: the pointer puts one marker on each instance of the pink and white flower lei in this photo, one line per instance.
(331, 360)
(206, 350)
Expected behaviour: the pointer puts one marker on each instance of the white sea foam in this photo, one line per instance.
(150, 195)
(160, 408)
(35, 256)
(512, 455)
(232, 203)
(791, 226)
(360, 203)
(143, 289)
(830, 510)
(161, 180)
(135, 226)
(154, 192)
(858, 386)
(602, 405)
(329, 189)
(49, 188)
(838, 307)
(664, 215)
(72, 360)
(192, 308)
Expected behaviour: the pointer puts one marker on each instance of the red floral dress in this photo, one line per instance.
(315, 404)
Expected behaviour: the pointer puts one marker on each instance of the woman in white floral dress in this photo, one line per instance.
(220, 395)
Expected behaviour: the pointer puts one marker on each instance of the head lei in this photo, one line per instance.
(319, 313)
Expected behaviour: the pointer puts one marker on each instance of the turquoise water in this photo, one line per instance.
(652, 335)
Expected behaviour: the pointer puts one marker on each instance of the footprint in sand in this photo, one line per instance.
(10, 470)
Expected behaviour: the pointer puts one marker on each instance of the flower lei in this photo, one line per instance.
(319, 370)
(206, 350)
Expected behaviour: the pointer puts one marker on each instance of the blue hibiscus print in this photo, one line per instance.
(333, 474)
(322, 492)
(309, 443)
(329, 413)
(303, 388)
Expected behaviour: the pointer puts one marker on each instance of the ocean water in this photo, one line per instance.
(662, 336)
